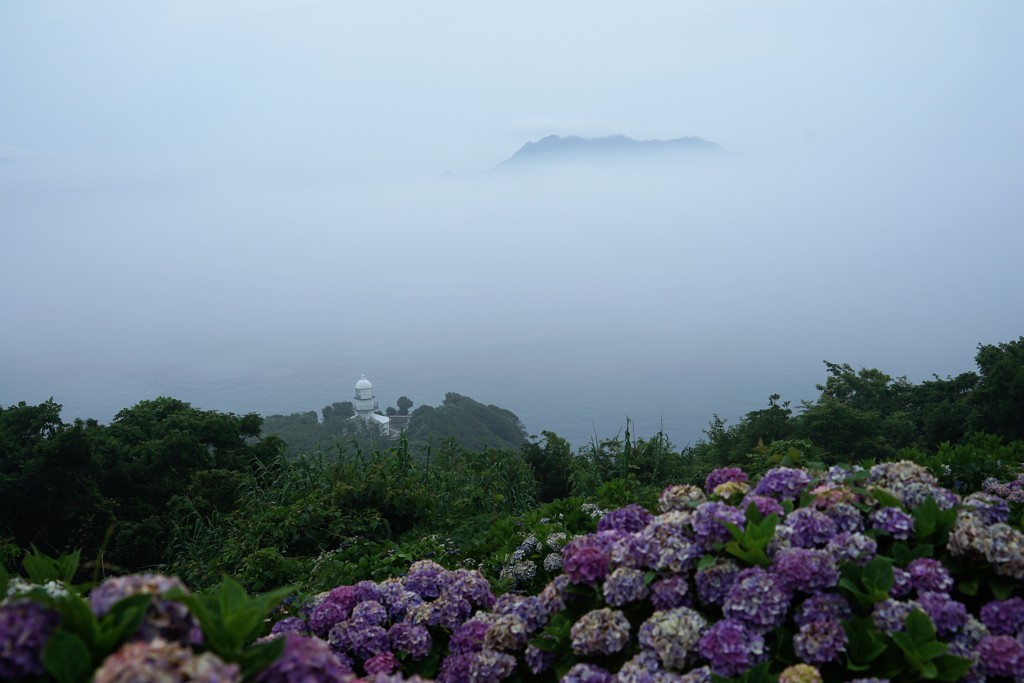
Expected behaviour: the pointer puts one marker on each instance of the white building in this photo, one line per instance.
(365, 405)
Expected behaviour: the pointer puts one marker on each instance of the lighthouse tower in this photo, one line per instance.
(365, 405)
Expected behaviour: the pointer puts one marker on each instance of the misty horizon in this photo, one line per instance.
(247, 206)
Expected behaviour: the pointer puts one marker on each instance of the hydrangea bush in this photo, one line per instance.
(845, 574)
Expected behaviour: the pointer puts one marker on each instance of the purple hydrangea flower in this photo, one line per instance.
(369, 613)
(1004, 617)
(539, 660)
(165, 619)
(722, 475)
(818, 642)
(366, 591)
(804, 569)
(901, 585)
(783, 483)
(670, 592)
(629, 518)
(363, 641)
(168, 662)
(758, 599)
(852, 547)
(344, 597)
(507, 633)
(889, 615)
(811, 528)
(553, 596)
(765, 505)
(624, 585)
(731, 647)
(304, 659)
(25, 628)
(989, 509)
(423, 578)
(927, 574)
(714, 582)
(584, 562)
(326, 616)
(413, 639)
(668, 542)
(468, 585)
(469, 637)
(673, 635)
(485, 666)
(823, 607)
(894, 521)
(947, 614)
(587, 673)
(709, 520)
(289, 625)
(384, 663)
(1001, 656)
(403, 604)
(449, 611)
(846, 517)
(527, 607)
(600, 632)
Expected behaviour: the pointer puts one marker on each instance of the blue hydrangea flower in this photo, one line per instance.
(927, 574)
(304, 659)
(673, 635)
(25, 628)
(670, 592)
(1001, 656)
(819, 642)
(587, 673)
(894, 521)
(758, 599)
(731, 647)
(714, 582)
(823, 607)
(811, 528)
(804, 569)
(722, 475)
(624, 585)
(600, 632)
(1004, 617)
(783, 483)
(630, 518)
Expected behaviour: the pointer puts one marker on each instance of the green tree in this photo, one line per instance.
(997, 402)
(404, 404)
(551, 460)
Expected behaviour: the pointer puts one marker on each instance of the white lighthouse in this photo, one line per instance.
(365, 405)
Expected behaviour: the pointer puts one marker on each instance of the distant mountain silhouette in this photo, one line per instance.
(573, 148)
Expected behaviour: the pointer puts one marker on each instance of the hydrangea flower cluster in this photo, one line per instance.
(670, 597)
(165, 618)
(161, 661)
(25, 627)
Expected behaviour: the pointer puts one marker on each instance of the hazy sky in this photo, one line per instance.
(186, 183)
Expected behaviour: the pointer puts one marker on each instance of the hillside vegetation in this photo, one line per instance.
(203, 493)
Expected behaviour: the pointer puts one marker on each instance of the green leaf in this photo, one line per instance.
(885, 498)
(260, 656)
(121, 622)
(67, 657)
(919, 627)
(864, 641)
(951, 668)
(1002, 588)
(878, 575)
(969, 586)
